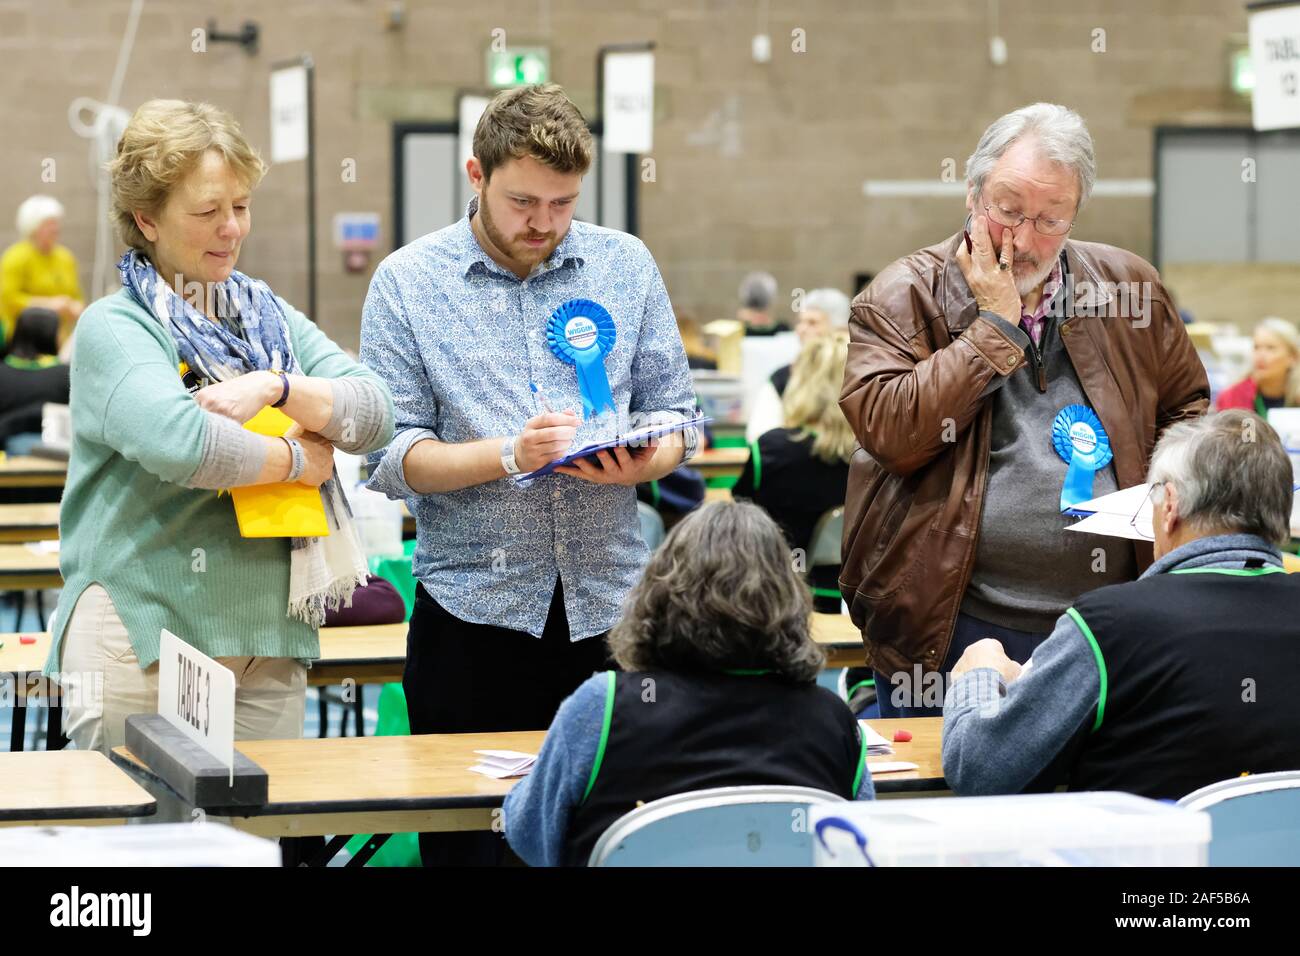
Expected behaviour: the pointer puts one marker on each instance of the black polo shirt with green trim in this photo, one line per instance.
(669, 733)
(1199, 674)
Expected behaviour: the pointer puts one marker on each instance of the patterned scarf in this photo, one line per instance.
(323, 571)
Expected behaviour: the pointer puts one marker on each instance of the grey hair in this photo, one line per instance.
(34, 211)
(831, 303)
(757, 291)
(720, 593)
(1231, 473)
(1062, 138)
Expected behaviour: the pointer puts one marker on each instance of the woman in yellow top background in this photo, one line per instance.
(37, 272)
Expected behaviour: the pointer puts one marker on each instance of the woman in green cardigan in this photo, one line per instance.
(164, 372)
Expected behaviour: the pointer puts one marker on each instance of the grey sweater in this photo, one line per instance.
(1028, 568)
(999, 737)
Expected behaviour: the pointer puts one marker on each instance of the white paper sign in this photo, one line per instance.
(289, 114)
(196, 695)
(1275, 58)
(629, 106)
(471, 107)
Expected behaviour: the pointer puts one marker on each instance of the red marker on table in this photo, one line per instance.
(902, 736)
(26, 639)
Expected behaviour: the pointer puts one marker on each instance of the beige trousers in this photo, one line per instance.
(103, 683)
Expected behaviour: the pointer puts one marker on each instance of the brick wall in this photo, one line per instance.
(758, 166)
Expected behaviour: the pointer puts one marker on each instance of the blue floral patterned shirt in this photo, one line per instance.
(457, 339)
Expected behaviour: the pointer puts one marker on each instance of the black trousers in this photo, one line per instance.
(463, 678)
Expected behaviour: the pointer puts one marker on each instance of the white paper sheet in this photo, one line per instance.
(1113, 514)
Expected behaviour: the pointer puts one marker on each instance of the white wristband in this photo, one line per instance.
(298, 459)
(508, 457)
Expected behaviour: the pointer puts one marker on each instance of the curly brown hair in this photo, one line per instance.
(539, 121)
(720, 593)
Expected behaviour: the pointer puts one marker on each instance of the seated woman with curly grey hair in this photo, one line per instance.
(718, 688)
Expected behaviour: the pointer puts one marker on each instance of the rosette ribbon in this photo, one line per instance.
(582, 333)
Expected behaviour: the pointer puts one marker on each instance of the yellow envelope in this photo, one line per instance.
(283, 510)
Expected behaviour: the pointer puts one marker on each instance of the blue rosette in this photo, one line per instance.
(1081, 440)
(582, 333)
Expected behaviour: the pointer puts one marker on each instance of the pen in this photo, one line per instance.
(542, 395)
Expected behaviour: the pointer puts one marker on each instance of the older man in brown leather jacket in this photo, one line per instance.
(963, 358)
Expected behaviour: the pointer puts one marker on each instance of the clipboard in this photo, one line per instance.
(285, 509)
(585, 451)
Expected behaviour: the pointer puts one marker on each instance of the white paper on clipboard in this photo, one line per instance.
(1113, 514)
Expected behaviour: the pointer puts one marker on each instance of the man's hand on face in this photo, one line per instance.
(987, 653)
(994, 288)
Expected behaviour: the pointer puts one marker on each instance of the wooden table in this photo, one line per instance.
(717, 494)
(372, 654)
(720, 462)
(22, 664)
(840, 639)
(67, 787)
(340, 786)
(40, 522)
(366, 655)
(22, 523)
(21, 567)
(27, 471)
(376, 654)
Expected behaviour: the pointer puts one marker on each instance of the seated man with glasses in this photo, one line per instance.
(994, 380)
(1163, 685)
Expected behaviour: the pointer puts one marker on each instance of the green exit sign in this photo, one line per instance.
(517, 65)
(1241, 74)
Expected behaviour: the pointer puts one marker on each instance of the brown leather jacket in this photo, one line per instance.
(920, 358)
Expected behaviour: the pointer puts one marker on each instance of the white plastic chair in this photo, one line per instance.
(725, 826)
(826, 539)
(1254, 821)
(652, 525)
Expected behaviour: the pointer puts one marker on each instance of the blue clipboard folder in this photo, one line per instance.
(635, 436)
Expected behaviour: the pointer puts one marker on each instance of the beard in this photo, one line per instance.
(1036, 272)
(516, 248)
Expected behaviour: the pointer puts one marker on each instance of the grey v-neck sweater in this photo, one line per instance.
(1028, 568)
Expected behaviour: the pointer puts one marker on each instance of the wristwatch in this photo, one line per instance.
(508, 457)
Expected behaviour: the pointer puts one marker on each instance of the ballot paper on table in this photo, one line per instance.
(1121, 514)
(500, 764)
(876, 744)
(634, 438)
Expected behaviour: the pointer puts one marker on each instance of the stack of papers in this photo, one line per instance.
(877, 745)
(500, 764)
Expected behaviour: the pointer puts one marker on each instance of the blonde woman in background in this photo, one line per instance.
(1274, 379)
(823, 311)
(799, 471)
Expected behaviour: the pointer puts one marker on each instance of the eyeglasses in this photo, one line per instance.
(1133, 522)
(1042, 224)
